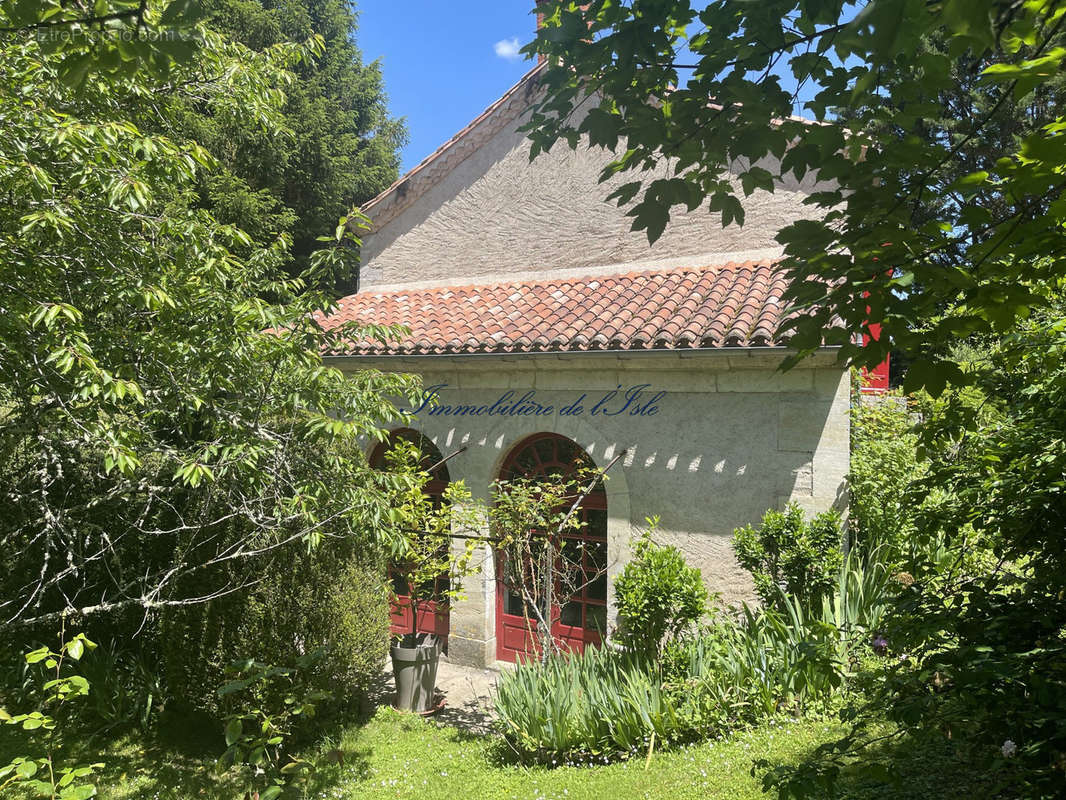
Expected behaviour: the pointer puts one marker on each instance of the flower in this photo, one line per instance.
(880, 644)
(1009, 749)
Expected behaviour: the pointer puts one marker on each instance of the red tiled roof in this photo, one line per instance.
(731, 305)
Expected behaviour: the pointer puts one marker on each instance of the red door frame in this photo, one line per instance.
(551, 453)
(433, 617)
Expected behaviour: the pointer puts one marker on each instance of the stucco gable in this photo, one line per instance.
(432, 169)
(478, 208)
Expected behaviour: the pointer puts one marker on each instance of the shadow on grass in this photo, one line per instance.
(178, 758)
(135, 765)
(468, 720)
(909, 767)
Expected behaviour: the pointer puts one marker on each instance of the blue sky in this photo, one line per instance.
(444, 62)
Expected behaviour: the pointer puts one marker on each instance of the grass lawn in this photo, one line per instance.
(395, 756)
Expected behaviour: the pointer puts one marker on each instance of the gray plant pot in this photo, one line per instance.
(415, 671)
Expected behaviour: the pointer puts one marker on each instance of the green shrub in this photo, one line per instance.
(128, 691)
(270, 706)
(778, 657)
(737, 671)
(883, 474)
(861, 595)
(596, 705)
(331, 600)
(605, 703)
(658, 596)
(792, 555)
(46, 726)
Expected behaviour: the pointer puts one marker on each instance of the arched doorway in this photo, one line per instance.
(581, 618)
(432, 617)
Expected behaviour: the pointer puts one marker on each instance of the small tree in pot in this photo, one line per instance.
(422, 529)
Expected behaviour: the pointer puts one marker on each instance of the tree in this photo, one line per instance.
(165, 414)
(723, 78)
(338, 146)
(976, 636)
(420, 531)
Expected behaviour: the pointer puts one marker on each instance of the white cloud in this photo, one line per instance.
(507, 49)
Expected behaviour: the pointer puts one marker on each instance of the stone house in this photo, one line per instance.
(546, 331)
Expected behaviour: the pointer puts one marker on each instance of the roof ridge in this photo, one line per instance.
(568, 279)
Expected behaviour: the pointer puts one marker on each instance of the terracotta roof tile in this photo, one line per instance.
(729, 305)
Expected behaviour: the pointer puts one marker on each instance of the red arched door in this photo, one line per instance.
(580, 619)
(432, 616)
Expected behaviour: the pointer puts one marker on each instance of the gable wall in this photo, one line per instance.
(497, 214)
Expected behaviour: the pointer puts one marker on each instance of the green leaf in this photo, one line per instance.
(178, 50)
(74, 69)
(75, 649)
(180, 13)
(969, 19)
(39, 654)
(932, 375)
(972, 180)
(234, 729)
(83, 792)
(26, 770)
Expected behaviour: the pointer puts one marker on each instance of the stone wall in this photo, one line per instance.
(494, 214)
(730, 438)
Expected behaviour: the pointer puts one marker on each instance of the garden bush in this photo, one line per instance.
(607, 703)
(597, 705)
(884, 469)
(784, 656)
(791, 554)
(128, 690)
(270, 707)
(658, 596)
(332, 599)
(123, 670)
(42, 768)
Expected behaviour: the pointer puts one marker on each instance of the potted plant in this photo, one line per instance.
(425, 560)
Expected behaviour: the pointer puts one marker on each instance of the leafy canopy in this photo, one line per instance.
(711, 87)
(338, 147)
(977, 633)
(165, 412)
